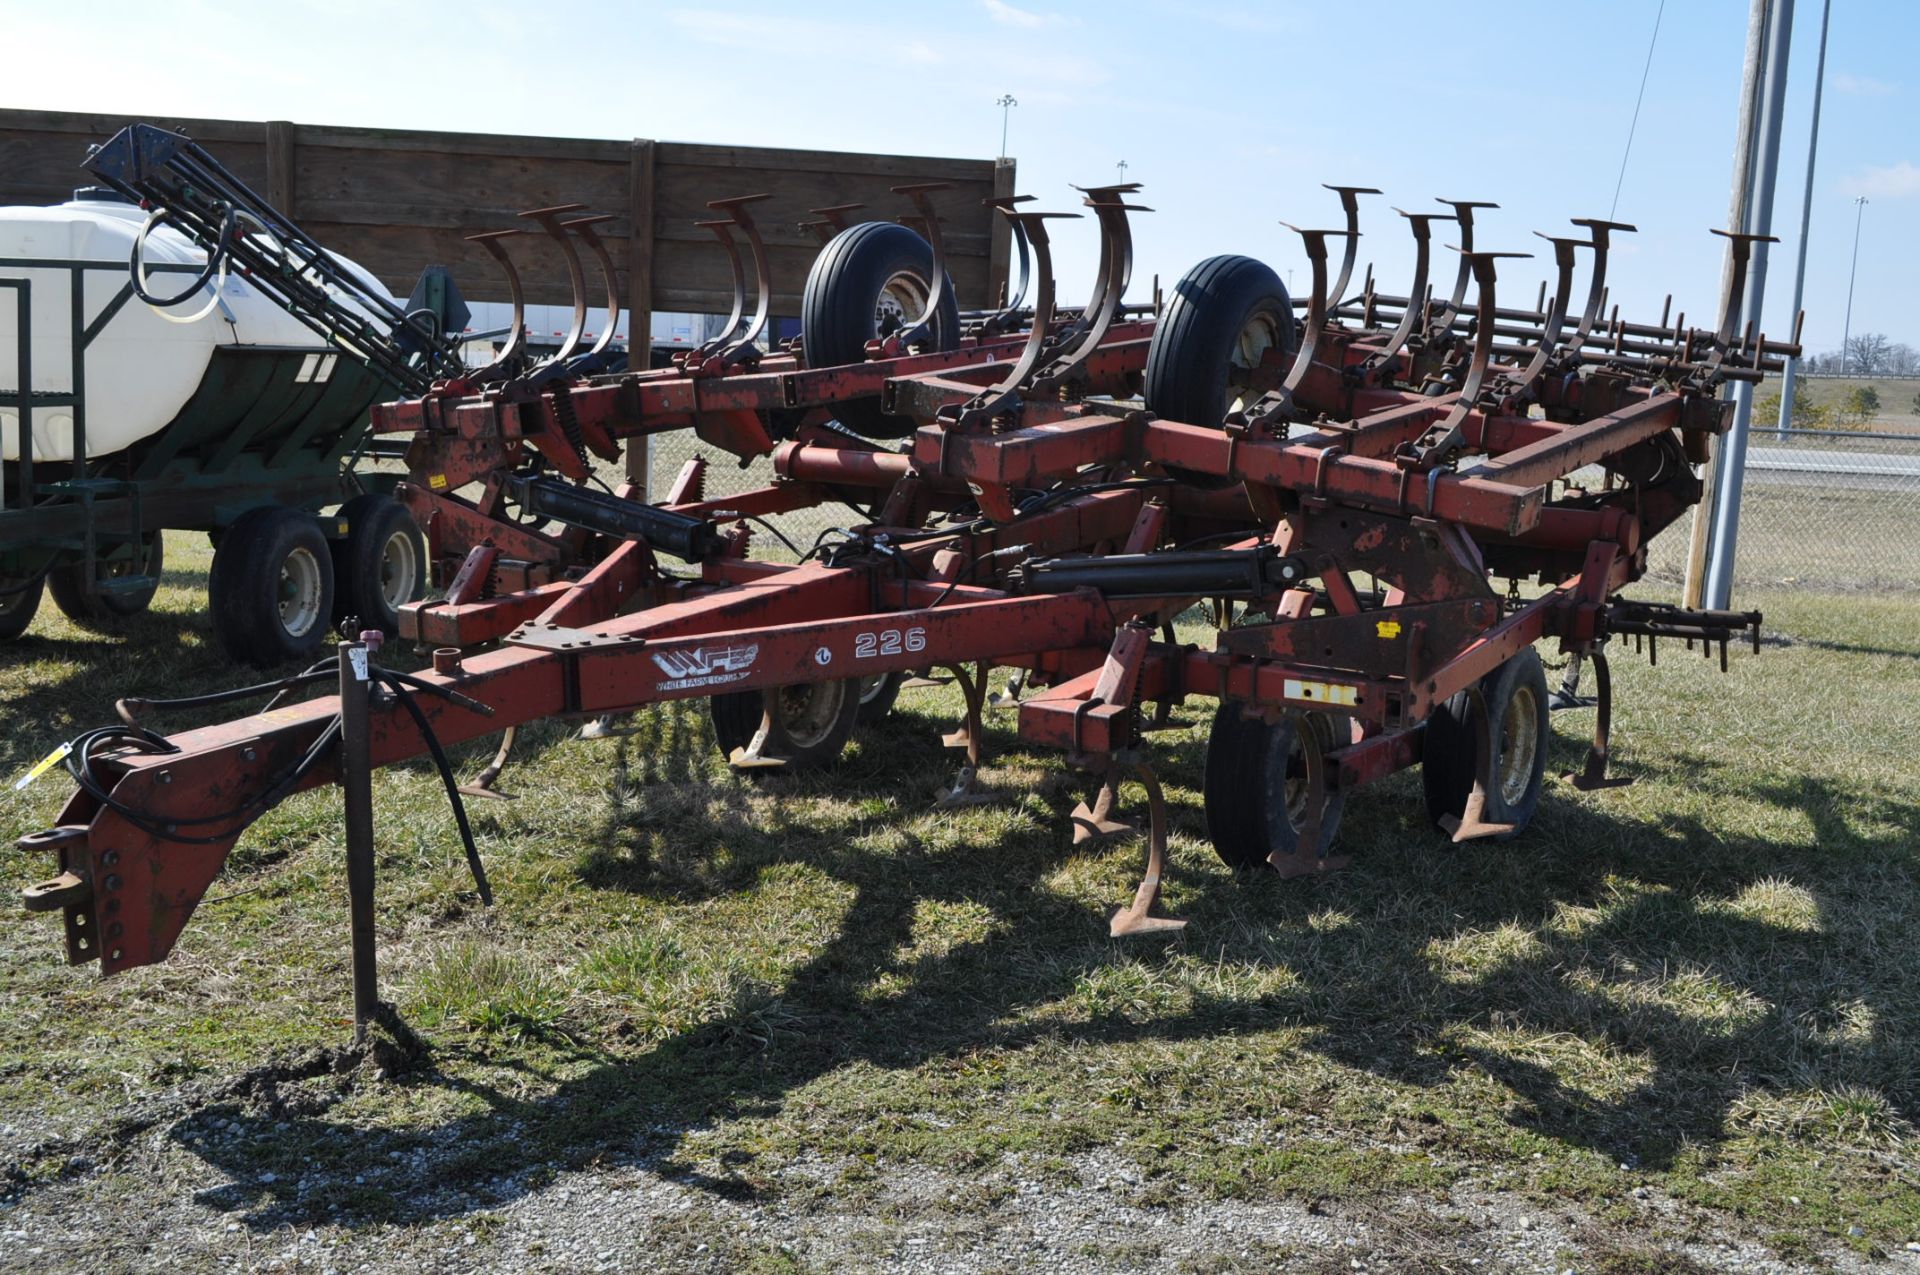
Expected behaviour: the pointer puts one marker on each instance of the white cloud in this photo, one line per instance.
(1863, 85)
(1891, 181)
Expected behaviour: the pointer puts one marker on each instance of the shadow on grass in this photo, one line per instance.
(1645, 896)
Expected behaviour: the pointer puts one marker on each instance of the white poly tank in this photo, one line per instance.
(141, 368)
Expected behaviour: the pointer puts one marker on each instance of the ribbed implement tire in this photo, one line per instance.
(1447, 751)
(19, 599)
(737, 716)
(1194, 341)
(1245, 790)
(839, 309)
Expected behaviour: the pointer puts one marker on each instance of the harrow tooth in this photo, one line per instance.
(832, 220)
(1137, 917)
(1000, 397)
(548, 219)
(492, 241)
(736, 344)
(1096, 822)
(584, 228)
(1350, 205)
(1010, 309)
(482, 784)
(928, 223)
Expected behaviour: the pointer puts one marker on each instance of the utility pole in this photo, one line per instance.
(1006, 102)
(1846, 332)
(1806, 221)
(1750, 90)
(1733, 461)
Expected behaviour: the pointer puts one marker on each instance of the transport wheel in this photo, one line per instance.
(1516, 698)
(271, 589)
(806, 726)
(379, 565)
(877, 694)
(1256, 787)
(1204, 359)
(870, 281)
(19, 599)
(75, 587)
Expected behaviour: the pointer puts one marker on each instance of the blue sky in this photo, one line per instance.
(1232, 115)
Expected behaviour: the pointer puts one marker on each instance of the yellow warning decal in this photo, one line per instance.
(437, 481)
(1320, 692)
(1387, 628)
(42, 766)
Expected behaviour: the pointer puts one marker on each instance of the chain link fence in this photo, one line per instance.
(726, 476)
(1822, 510)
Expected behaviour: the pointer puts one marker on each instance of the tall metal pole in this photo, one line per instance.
(1846, 332)
(1733, 462)
(1006, 102)
(1806, 220)
(356, 788)
(1743, 145)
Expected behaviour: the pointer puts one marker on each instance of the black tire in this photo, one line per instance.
(848, 302)
(19, 600)
(807, 725)
(1516, 699)
(271, 589)
(74, 592)
(877, 694)
(378, 565)
(1223, 310)
(1249, 765)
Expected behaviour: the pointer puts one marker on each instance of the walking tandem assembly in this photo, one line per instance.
(1343, 484)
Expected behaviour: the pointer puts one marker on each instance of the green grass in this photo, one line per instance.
(1703, 983)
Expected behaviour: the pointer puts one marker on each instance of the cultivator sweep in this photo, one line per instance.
(1339, 482)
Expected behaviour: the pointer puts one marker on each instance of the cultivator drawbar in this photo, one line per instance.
(1339, 481)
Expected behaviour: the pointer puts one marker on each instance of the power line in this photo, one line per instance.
(1635, 125)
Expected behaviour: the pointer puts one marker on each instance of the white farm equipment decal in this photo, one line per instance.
(706, 665)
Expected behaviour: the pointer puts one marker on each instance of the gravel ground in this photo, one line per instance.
(150, 1197)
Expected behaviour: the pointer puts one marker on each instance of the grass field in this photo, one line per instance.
(1673, 1016)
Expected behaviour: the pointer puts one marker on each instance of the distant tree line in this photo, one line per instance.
(1869, 354)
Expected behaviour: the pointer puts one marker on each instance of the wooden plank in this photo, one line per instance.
(280, 164)
(924, 167)
(1000, 252)
(640, 245)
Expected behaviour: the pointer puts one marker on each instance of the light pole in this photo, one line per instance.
(1122, 166)
(1846, 332)
(1006, 103)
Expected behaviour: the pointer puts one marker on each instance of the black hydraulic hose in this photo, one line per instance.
(136, 264)
(398, 684)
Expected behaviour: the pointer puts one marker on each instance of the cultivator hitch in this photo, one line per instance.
(1347, 526)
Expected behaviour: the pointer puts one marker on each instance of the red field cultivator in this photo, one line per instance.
(1339, 483)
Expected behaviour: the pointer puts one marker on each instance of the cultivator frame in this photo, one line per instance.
(1383, 471)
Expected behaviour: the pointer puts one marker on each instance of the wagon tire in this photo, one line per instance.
(807, 725)
(1251, 813)
(379, 565)
(1224, 315)
(75, 592)
(271, 588)
(868, 282)
(19, 600)
(1516, 703)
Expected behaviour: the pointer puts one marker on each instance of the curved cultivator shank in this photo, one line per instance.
(1386, 463)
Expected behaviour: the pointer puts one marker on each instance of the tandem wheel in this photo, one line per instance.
(1514, 700)
(1257, 789)
(379, 566)
(271, 589)
(93, 593)
(802, 727)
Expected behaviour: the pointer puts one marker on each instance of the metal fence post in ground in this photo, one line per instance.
(1726, 512)
(356, 787)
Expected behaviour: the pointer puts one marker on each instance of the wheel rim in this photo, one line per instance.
(902, 299)
(299, 602)
(1260, 334)
(399, 569)
(1519, 743)
(1296, 789)
(872, 686)
(808, 713)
